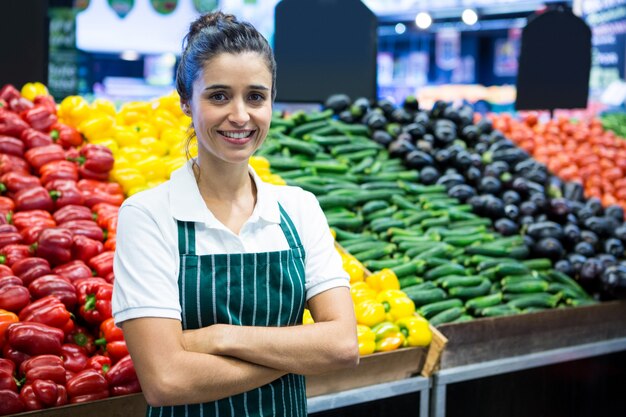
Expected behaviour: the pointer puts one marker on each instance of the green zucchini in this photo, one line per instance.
(471, 292)
(449, 268)
(463, 319)
(535, 300)
(384, 224)
(462, 241)
(353, 147)
(374, 205)
(450, 281)
(484, 301)
(447, 316)
(375, 253)
(346, 223)
(385, 213)
(299, 146)
(421, 296)
(409, 268)
(526, 286)
(331, 201)
(329, 140)
(305, 128)
(498, 310)
(539, 264)
(363, 246)
(429, 310)
(558, 276)
(410, 281)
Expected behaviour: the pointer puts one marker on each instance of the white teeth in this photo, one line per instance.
(236, 135)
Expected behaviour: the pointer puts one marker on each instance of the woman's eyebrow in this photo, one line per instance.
(216, 87)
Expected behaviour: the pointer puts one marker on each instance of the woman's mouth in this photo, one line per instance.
(237, 137)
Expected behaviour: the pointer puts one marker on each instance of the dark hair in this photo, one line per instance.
(212, 34)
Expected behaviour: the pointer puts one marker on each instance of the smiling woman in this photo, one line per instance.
(214, 268)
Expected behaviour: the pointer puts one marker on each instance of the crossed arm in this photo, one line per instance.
(184, 367)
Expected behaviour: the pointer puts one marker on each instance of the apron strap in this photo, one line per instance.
(289, 229)
(186, 238)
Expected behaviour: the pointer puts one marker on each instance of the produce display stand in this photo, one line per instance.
(494, 346)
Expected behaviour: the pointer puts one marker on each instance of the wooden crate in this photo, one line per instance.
(488, 339)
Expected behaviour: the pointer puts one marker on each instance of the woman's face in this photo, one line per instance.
(231, 107)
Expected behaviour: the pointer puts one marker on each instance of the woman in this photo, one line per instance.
(214, 268)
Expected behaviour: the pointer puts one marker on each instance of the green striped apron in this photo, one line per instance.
(247, 289)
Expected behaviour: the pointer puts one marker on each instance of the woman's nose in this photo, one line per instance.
(239, 113)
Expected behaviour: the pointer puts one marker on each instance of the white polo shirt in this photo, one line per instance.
(146, 261)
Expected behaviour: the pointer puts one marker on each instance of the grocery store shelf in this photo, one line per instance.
(373, 393)
(513, 364)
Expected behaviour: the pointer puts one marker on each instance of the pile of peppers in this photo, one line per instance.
(58, 220)
(386, 318)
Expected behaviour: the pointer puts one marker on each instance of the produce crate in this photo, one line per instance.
(381, 367)
(488, 339)
(133, 405)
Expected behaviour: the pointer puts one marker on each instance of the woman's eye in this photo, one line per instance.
(257, 97)
(218, 97)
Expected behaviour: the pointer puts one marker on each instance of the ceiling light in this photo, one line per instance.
(130, 55)
(469, 17)
(423, 20)
(400, 28)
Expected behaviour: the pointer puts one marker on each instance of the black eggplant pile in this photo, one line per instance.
(480, 166)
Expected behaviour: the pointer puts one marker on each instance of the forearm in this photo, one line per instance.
(171, 374)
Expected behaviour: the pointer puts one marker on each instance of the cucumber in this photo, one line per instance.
(356, 156)
(498, 310)
(447, 316)
(484, 301)
(363, 246)
(283, 163)
(539, 264)
(353, 147)
(346, 235)
(375, 253)
(385, 213)
(427, 285)
(318, 190)
(436, 252)
(451, 281)
(463, 319)
(410, 281)
(512, 268)
(526, 286)
(328, 140)
(471, 292)
(364, 196)
(315, 116)
(535, 300)
(402, 202)
(487, 251)
(413, 249)
(421, 296)
(557, 276)
(480, 221)
(305, 128)
(346, 223)
(514, 279)
(299, 146)
(462, 241)
(445, 232)
(435, 221)
(487, 262)
(349, 129)
(326, 167)
(384, 224)
(579, 302)
(379, 185)
(409, 268)
(403, 175)
(331, 201)
(372, 206)
(567, 291)
(362, 166)
(429, 310)
(449, 268)
(377, 265)
(418, 189)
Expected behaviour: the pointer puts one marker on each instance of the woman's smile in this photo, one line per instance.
(237, 137)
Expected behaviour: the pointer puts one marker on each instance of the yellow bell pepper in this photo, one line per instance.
(307, 318)
(388, 336)
(416, 330)
(396, 303)
(133, 153)
(128, 178)
(362, 292)
(145, 129)
(369, 312)
(153, 146)
(367, 340)
(354, 268)
(74, 109)
(173, 136)
(125, 136)
(101, 105)
(172, 163)
(108, 142)
(31, 90)
(152, 168)
(97, 127)
(385, 279)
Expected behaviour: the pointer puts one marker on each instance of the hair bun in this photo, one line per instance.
(212, 19)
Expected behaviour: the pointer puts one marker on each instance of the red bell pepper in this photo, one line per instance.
(35, 198)
(88, 228)
(13, 253)
(38, 157)
(94, 297)
(95, 162)
(107, 215)
(5, 271)
(107, 187)
(7, 375)
(110, 243)
(34, 138)
(123, 378)
(72, 212)
(10, 402)
(9, 235)
(47, 102)
(102, 264)
(87, 385)
(95, 196)
(31, 234)
(8, 92)
(6, 318)
(30, 218)
(20, 104)
(50, 311)
(12, 125)
(43, 367)
(100, 363)
(66, 136)
(85, 248)
(43, 393)
(6, 205)
(57, 286)
(55, 245)
(112, 340)
(13, 295)
(73, 270)
(64, 192)
(74, 357)
(14, 355)
(61, 169)
(12, 146)
(82, 337)
(39, 118)
(16, 181)
(34, 338)
(11, 163)
(29, 269)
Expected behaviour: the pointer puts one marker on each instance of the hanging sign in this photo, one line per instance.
(447, 49)
(164, 7)
(80, 5)
(121, 7)
(205, 6)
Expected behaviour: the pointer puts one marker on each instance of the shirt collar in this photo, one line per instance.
(186, 203)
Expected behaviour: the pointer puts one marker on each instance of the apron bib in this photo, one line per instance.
(247, 289)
